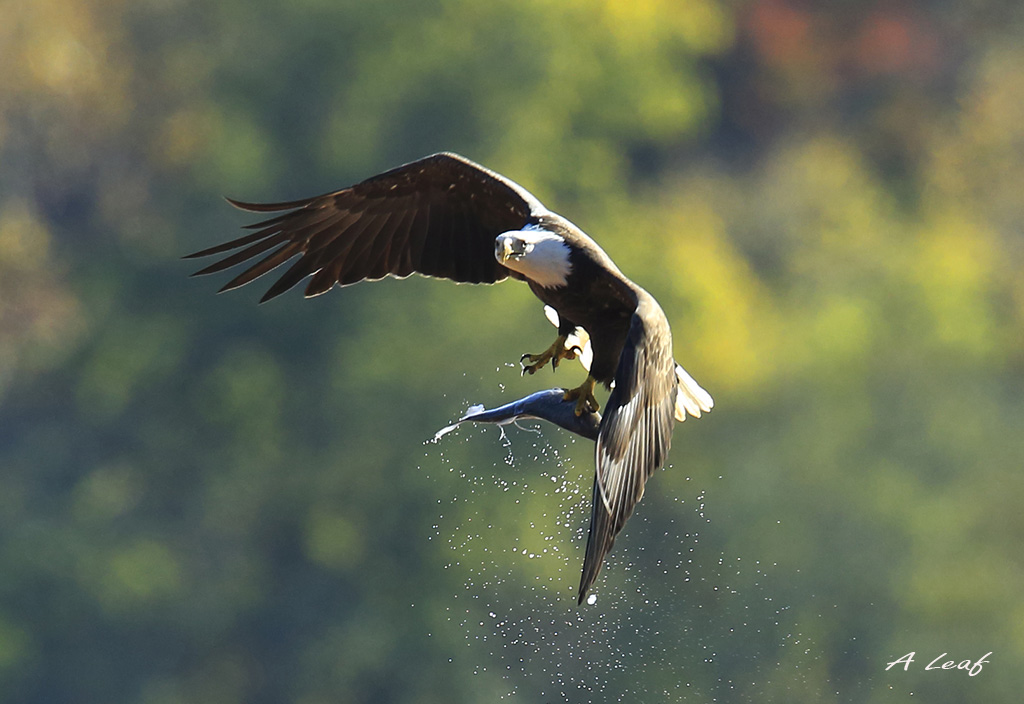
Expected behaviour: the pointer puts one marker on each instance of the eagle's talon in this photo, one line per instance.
(584, 397)
(554, 354)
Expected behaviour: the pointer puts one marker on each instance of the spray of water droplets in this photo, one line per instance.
(673, 618)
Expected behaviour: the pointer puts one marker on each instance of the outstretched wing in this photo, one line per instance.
(635, 434)
(437, 216)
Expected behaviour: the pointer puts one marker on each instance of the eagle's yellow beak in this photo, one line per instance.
(504, 248)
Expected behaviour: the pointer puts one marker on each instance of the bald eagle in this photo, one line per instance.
(447, 217)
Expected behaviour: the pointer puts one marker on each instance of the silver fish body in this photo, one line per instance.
(549, 405)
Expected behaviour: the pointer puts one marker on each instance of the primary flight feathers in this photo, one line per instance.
(437, 217)
(447, 217)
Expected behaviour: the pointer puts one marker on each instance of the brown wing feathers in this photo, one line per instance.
(437, 216)
(635, 433)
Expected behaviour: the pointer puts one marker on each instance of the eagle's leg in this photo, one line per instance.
(554, 354)
(584, 396)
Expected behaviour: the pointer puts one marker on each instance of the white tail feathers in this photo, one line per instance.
(691, 399)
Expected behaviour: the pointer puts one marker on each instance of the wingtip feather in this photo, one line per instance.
(251, 207)
(270, 207)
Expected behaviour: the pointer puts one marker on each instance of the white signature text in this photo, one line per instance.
(941, 663)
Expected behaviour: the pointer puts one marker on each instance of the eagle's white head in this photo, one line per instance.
(538, 254)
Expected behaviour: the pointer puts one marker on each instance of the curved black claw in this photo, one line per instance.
(530, 368)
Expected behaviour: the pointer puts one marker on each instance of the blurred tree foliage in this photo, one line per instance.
(202, 500)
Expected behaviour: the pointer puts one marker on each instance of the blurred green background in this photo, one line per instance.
(206, 500)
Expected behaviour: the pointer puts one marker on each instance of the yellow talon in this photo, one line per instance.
(553, 354)
(584, 396)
